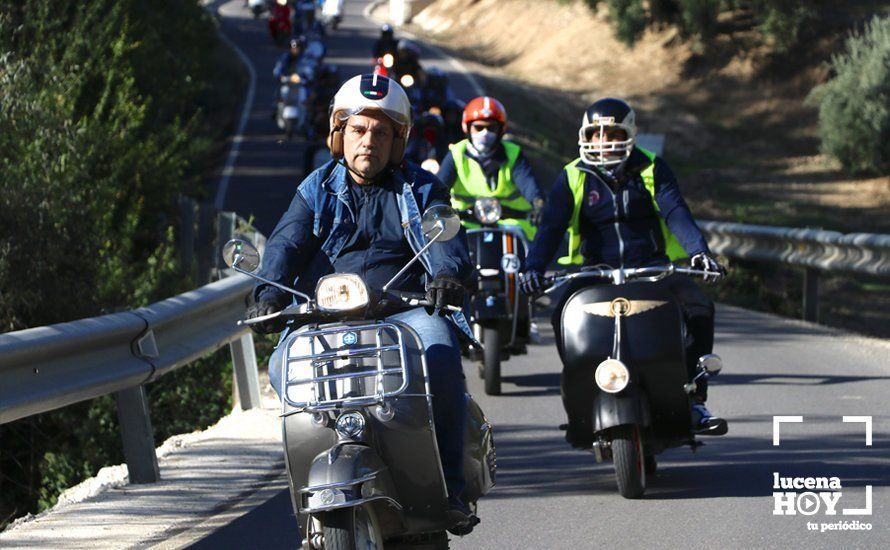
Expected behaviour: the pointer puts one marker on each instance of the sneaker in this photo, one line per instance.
(704, 423)
(460, 518)
(534, 335)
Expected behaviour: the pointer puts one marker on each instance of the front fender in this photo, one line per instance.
(627, 407)
(348, 474)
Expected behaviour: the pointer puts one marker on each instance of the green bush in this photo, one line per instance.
(102, 129)
(854, 106)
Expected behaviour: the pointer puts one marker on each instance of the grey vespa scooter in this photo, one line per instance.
(359, 439)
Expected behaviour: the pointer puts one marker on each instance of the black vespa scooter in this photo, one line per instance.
(500, 312)
(359, 439)
(624, 367)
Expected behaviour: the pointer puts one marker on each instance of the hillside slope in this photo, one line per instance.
(738, 130)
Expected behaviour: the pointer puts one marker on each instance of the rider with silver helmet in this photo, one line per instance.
(622, 207)
(360, 213)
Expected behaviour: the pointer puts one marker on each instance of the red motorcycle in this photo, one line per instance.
(383, 64)
(280, 22)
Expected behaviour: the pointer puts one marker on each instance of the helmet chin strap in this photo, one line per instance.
(370, 181)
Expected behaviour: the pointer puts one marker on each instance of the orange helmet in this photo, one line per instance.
(484, 108)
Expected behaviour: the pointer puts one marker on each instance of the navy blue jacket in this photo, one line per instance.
(321, 233)
(523, 176)
(619, 227)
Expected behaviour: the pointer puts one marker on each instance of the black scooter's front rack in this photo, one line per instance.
(326, 388)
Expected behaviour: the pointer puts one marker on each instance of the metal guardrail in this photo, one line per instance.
(46, 368)
(812, 249)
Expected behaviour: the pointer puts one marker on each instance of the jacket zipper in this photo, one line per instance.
(617, 226)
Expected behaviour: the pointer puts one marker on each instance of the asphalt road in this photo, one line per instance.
(551, 496)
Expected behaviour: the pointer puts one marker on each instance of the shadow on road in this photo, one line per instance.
(534, 463)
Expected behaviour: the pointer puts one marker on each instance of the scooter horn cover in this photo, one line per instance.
(371, 92)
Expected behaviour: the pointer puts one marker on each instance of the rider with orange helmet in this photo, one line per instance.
(487, 165)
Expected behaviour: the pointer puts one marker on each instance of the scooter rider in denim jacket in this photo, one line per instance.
(621, 206)
(360, 213)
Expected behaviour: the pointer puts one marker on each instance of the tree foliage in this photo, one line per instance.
(101, 130)
(781, 21)
(854, 106)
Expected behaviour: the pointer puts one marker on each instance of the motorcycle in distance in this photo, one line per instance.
(383, 65)
(426, 143)
(359, 438)
(292, 111)
(624, 355)
(280, 22)
(291, 98)
(332, 13)
(500, 312)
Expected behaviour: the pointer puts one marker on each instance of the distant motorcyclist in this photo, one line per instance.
(407, 67)
(622, 207)
(360, 213)
(306, 23)
(288, 61)
(386, 44)
(487, 165)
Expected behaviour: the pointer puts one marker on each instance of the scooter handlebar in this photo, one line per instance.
(620, 276)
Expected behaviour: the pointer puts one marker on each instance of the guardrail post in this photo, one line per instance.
(811, 295)
(137, 435)
(246, 377)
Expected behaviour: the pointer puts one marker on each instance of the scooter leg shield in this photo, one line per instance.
(577, 399)
(479, 453)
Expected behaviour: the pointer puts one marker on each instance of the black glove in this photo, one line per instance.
(531, 282)
(707, 263)
(445, 290)
(537, 212)
(265, 306)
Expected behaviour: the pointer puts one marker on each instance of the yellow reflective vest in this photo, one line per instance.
(470, 184)
(576, 178)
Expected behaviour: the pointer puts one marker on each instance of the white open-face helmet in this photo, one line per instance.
(598, 118)
(371, 92)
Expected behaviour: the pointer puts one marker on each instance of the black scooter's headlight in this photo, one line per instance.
(611, 376)
(487, 210)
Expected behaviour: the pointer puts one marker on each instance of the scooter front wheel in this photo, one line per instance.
(352, 529)
(627, 454)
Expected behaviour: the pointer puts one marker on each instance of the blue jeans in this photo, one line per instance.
(447, 384)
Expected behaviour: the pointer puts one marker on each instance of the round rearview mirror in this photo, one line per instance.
(440, 222)
(711, 363)
(241, 254)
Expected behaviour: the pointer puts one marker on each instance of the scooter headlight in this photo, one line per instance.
(388, 60)
(487, 210)
(341, 292)
(611, 376)
(350, 425)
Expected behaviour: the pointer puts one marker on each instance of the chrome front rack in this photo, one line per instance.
(345, 375)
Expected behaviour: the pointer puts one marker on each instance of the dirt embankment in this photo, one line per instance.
(738, 130)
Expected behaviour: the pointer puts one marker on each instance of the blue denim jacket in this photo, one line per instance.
(321, 219)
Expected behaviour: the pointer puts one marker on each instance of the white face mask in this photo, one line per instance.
(484, 141)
